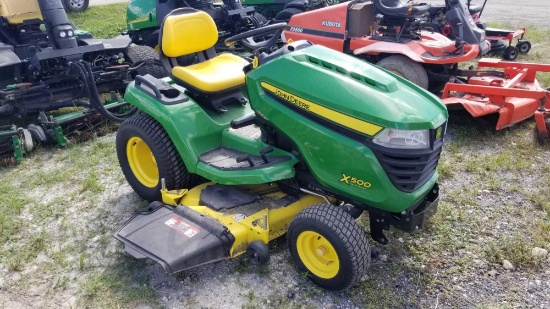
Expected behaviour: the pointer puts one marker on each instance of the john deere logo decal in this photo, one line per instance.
(341, 119)
(352, 181)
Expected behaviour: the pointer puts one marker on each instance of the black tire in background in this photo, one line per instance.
(260, 19)
(75, 5)
(406, 68)
(510, 53)
(168, 162)
(523, 47)
(286, 14)
(332, 225)
(138, 53)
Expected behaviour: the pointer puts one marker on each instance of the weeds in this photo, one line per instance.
(515, 249)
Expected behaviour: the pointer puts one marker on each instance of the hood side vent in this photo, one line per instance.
(356, 76)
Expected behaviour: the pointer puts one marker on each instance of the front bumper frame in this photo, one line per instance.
(409, 220)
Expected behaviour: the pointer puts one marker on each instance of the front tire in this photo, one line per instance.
(510, 53)
(523, 47)
(146, 154)
(406, 68)
(326, 243)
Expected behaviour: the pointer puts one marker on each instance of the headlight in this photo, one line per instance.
(70, 33)
(62, 34)
(403, 139)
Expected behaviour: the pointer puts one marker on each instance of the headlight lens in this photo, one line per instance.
(403, 139)
(70, 33)
(62, 34)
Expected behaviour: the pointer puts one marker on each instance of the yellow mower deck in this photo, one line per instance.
(180, 237)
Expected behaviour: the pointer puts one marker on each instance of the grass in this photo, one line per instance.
(104, 21)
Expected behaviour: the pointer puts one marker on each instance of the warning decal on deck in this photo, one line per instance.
(182, 227)
(238, 217)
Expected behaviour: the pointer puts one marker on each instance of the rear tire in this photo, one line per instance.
(406, 68)
(146, 154)
(510, 53)
(138, 53)
(329, 245)
(286, 14)
(523, 47)
(75, 5)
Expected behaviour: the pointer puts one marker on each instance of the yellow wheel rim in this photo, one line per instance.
(318, 254)
(142, 162)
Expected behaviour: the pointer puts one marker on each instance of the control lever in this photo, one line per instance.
(243, 121)
(263, 152)
(245, 157)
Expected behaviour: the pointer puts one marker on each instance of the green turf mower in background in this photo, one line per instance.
(299, 141)
(279, 10)
(144, 17)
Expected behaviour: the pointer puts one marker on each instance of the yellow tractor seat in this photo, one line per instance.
(217, 74)
(216, 80)
(17, 11)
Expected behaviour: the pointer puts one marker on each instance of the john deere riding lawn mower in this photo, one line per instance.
(297, 141)
(46, 64)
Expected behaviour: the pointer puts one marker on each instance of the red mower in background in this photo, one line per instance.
(389, 34)
(393, 38)
(514, 93)
(501, 40)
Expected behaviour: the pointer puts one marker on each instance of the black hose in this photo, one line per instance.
(90, 88)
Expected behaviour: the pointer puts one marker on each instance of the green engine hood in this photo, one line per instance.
(350, 87)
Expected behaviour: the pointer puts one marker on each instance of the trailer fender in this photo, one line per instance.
(389, 48)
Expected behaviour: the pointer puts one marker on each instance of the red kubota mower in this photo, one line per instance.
(389, 33)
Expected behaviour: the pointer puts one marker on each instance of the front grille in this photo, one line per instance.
(409, 169)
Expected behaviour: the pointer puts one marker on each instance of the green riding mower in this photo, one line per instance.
(48, 65)
(144, 17)
(300, 141)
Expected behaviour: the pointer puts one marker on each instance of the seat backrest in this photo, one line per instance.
(186, 32)
(393, 3)
(16, 11)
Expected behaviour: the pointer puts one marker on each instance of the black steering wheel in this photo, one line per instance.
(247, 42)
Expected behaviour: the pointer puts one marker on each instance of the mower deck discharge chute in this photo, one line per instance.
(307, 141)
(514, 93)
